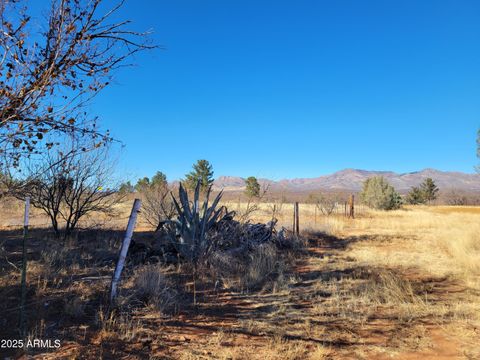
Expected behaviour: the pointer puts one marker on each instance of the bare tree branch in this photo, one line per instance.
(47, 77)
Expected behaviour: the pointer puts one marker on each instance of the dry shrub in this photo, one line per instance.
(262, 264)
(386, 287)
(151, 287)
(250, 270)
(120, 326)
(57, 257)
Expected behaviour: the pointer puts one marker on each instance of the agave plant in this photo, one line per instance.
(191, 238)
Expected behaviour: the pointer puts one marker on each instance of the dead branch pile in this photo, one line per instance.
(235, 236)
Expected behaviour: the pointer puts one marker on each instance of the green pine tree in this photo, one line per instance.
(159, 178)
(203, 171)
(126, 188)
(141, 183)
(429, 189)
(252, 187)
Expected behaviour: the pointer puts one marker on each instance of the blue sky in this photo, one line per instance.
(285, 89)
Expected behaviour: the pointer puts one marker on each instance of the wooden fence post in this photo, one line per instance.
(124, 249)
(294, 226)
(352, 206)
(23, 319)
(297, 220)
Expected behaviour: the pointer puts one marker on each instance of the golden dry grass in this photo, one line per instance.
(402, 284)
(419, 263)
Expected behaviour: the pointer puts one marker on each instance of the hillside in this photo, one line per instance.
(352, 179)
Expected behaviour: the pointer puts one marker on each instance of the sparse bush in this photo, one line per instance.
(248, 265)
(157, 205)
(456, 198)
(151, 286)
(263, 262)
(379, 194)
(326, 203)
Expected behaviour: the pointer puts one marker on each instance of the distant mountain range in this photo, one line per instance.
(352, 179)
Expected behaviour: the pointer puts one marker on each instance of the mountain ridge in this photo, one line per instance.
(351, 180)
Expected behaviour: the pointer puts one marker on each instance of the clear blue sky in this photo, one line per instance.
(285, 89)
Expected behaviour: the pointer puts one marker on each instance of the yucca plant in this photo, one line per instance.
(190, 229)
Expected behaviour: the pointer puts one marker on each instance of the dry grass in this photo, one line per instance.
(399, 284)
(150, 286)
(439, 243)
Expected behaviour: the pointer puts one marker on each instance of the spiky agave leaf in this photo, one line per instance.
(194, 221)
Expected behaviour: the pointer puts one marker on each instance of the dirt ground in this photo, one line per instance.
(383, 286)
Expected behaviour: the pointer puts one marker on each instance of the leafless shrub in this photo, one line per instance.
(66, 188)
(456, 198)
(326, 202)
(253, 204)
(157, 205)
(276, 207)
(262, 264)
(151, 286)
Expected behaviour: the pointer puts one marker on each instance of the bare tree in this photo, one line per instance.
(253, 204)
(158, 207)
(49, 70)
(69, 187)
(456, 198)
(326, 203)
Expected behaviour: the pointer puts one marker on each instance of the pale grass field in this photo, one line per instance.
(423, 242)
(403, 284)
(441, 240)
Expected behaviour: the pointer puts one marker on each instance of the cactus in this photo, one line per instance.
(191, 227)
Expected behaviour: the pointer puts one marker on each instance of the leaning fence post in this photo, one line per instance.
(24, 268)
(124, 249)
